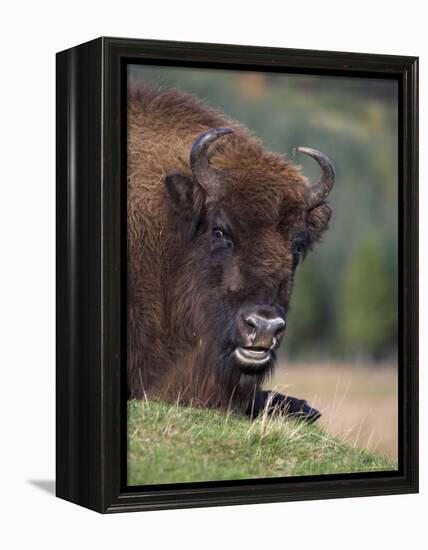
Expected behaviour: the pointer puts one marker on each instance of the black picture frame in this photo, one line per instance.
(91, 304)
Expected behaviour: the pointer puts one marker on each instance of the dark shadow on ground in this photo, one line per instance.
(47, 485)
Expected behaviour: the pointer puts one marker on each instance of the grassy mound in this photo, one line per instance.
(174, 444)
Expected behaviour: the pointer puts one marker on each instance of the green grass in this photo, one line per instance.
(173, 444)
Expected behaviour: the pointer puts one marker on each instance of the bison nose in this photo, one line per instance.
(263, 331)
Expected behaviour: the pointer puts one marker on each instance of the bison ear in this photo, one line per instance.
(184, 201)
(318, 219)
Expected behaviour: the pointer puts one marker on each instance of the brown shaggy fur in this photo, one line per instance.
(183, 297)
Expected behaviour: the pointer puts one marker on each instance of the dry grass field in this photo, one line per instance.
(358, 403)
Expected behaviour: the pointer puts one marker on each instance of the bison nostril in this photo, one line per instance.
(279, 329)
(251, 329)
(250, 321)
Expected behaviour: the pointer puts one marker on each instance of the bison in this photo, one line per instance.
(216, 227)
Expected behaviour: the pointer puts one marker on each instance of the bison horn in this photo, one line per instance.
(199, 157)
(319, 190)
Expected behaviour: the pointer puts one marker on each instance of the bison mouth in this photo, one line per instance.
(253, 357)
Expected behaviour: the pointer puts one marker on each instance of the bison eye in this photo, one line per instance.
(220, 240)
(217, 234)
(298, 252)
(299, 249)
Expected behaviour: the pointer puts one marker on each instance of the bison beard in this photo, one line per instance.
(216, 228)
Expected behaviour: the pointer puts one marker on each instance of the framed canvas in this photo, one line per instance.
(237, 280)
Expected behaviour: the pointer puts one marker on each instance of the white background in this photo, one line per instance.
(30, 34)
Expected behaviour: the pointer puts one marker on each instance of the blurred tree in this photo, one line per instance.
(310, 316)
(367, 301)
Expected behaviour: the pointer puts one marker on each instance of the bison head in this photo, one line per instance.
(244, 219)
